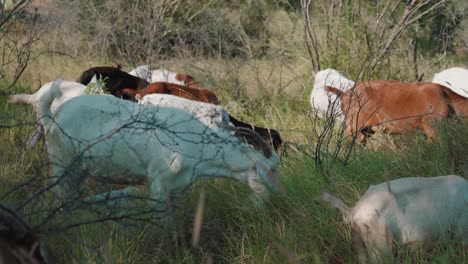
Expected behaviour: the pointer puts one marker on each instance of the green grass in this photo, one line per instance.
(273, 91)
(293, 225)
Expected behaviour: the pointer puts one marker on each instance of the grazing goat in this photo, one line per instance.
(114, 78)
(18, 243)
(326, 104)
(213, 116)
(164, 147)
(196, 94)
(204, 95)
(271, 136)
(394, 106)
(163, 75)
(68, 90)
(414, 211)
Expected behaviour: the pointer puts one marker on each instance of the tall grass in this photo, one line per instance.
(293, 226)
(270, 89)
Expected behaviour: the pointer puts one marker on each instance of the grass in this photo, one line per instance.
(292, 227)
(272, 91)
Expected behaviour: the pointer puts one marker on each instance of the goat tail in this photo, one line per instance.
(333, 90)
(21, 98)
(43, 111)
(336, 203)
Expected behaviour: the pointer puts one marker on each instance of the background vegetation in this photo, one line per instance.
(260, 57)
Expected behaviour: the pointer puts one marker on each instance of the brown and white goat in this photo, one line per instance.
(163, 75)
(196, 94)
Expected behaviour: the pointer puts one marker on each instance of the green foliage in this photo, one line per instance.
(143, 29)
(253, 16)
(97, 88)
(235, 48)
(352, 37)
(439, 32)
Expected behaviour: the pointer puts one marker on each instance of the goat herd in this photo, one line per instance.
(178, 132)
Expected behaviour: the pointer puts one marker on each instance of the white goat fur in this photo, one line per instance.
(209, 114)
(164, 147)
(418, 211)
(322, 101)
(68, 90)
(152, 76)
(456, 79)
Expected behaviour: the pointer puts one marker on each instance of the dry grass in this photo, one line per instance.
(270, 91)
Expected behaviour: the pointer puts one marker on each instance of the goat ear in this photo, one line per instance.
(333, 90)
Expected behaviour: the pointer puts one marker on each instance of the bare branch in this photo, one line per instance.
(310, 35)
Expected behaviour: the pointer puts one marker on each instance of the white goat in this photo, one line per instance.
(68, 90)
(409, 211)
(456, 79)
(164, 147)
(143, 72)
(209, 114)
(324, 102)
(161, 75)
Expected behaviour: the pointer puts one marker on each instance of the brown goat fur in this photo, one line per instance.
(196, 94)
(187, 79)
(396, 107)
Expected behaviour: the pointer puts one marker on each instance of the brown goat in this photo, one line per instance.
(394, 106)
(196, 94)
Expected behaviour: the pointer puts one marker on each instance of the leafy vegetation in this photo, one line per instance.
(254, 55)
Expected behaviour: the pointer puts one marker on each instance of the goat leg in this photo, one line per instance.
(33, 140)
